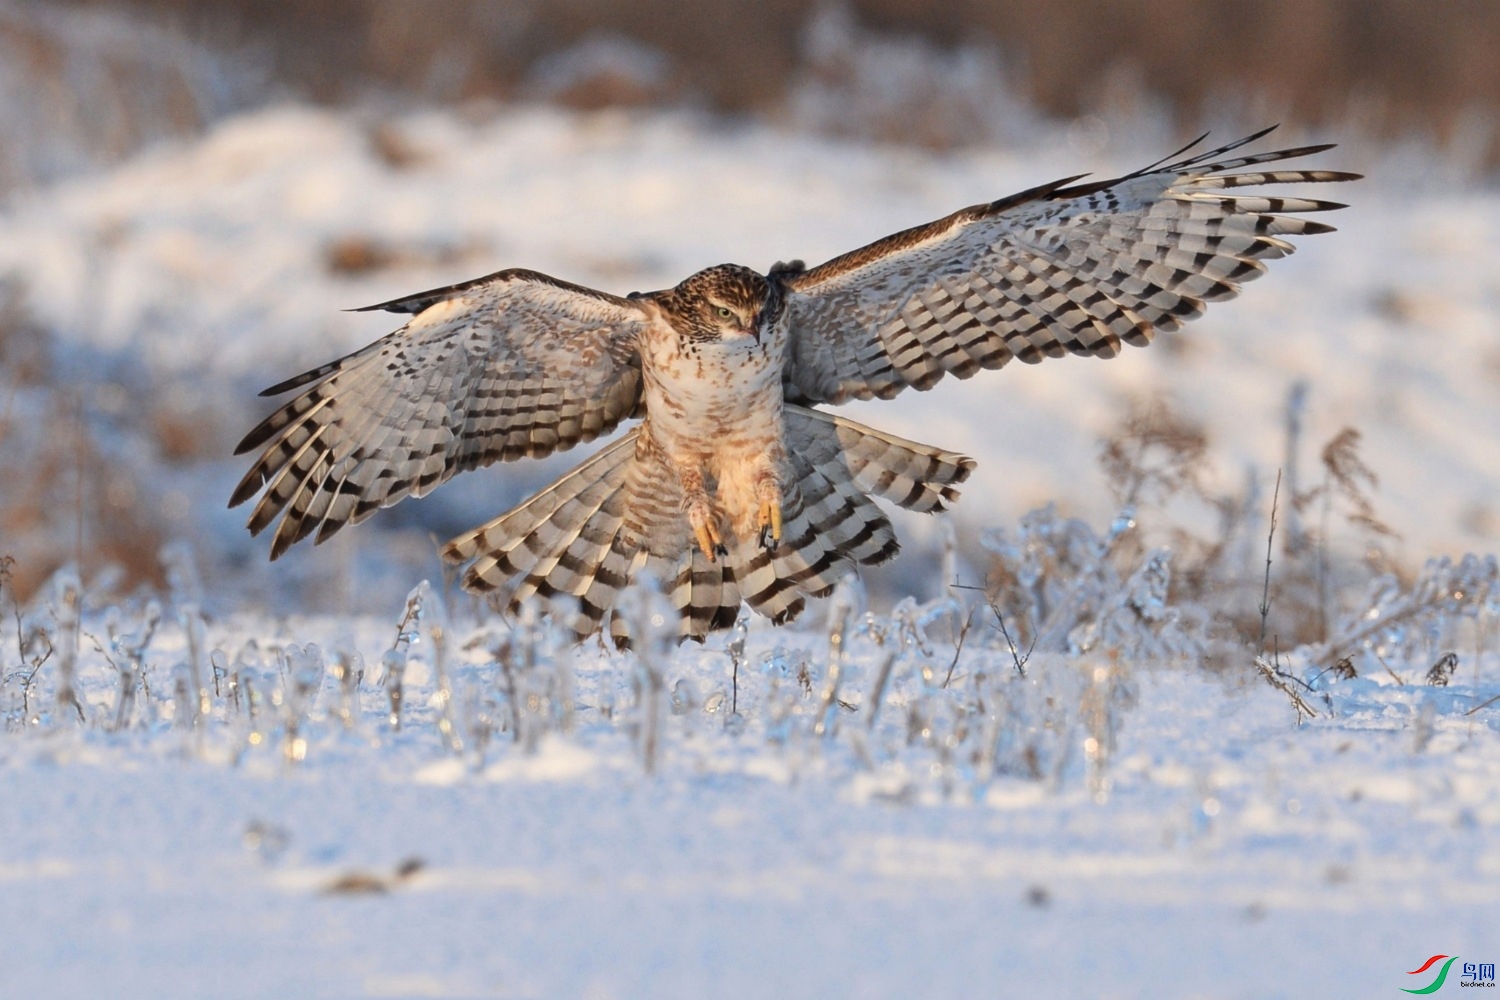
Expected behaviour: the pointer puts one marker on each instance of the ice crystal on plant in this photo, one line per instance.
(1395, 622)
(1061, 584)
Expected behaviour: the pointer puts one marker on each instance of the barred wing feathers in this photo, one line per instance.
(1059, 269)
(514, 364)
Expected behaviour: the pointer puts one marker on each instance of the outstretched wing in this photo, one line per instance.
(1054, 270)
(513, 364)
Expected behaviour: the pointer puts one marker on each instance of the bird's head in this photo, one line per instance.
(724, 303)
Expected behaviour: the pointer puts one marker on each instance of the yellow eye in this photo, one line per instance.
(725, 312)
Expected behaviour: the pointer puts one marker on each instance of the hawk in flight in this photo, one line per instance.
(734, 485)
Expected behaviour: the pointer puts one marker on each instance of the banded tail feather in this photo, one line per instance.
(580, 541)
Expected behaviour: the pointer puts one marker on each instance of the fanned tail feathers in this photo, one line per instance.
(578, 543)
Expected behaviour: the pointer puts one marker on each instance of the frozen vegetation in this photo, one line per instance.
(1195, 695)
(910, 803)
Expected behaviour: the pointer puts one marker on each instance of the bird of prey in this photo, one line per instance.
(735, 485)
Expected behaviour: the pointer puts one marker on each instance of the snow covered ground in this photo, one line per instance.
(1099, 826)
(1117, 822)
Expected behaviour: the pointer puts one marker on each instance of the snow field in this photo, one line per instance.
(210, 798)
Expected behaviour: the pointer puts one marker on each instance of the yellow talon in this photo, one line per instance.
(707, 535)
(770, 514)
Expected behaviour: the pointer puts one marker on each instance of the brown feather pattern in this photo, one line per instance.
(517, 364)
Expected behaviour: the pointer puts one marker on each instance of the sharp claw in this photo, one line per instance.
(723, 552)
(707, 534)
(706, 540)
(770, 523)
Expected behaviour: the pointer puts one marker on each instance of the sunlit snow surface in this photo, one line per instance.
(551, 821)
(967, 839)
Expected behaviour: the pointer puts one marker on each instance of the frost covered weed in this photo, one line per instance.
(1449, 604)
(1066, 589)
(652, 625)
(1337, 609)
(1328, 544)
(1030, 679)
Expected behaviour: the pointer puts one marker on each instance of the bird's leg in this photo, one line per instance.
(768, 492)
(701, 515)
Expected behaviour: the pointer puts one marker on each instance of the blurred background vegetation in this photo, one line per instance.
(1408, 65)
(1391, 68)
